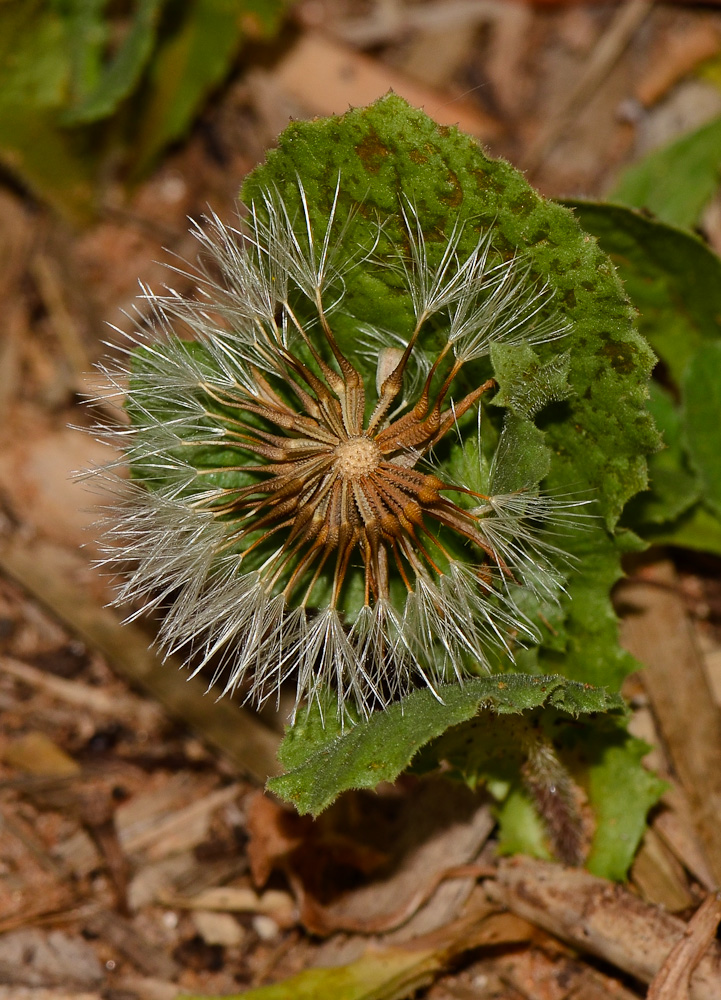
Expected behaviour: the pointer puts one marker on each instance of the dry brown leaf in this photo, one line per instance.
(656, 630)
(327, 78)
(370, 862)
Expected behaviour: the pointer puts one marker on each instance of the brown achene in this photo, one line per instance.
(334, 485)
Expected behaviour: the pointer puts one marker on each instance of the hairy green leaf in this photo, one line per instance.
(596, 755)
(671, 276)
(323, 761)
(388, 152)
(678, 180)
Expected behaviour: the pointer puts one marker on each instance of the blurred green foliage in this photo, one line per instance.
(84, 83)
(674, 280)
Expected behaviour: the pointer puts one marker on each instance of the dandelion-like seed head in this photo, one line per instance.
(287, 510)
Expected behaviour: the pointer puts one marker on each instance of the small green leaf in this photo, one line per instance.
(525, 385)
(522, 458)
(50, 163)
(391, 974)
(621, 792)
(673, 488)
(701, 414)
(326, 762)
(678, 180)
(520, 828)
(696, 528)
(189, 64)
(671, 276)
(120, 77)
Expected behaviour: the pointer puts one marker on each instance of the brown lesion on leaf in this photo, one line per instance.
(620, 355)
(453, 197)
(372, 151)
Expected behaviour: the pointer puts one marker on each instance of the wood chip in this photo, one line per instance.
(218, 928)
(601, 919)
(123, 937)
(672, 982)
(659, 876)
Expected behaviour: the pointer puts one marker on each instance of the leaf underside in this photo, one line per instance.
(380, 748)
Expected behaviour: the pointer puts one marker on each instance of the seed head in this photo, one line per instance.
(286, 505)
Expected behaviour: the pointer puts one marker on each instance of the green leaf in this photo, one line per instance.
(323, 762)
(51, 164)
(34, 60)
(673, 488)
(677, 181)
(621, 792)
(119, 78)
(671, 276)
(391, 974)
(697, 529)
(189, 64)
(597, 754)
(701, 412)
(520, 828)
(601, 432)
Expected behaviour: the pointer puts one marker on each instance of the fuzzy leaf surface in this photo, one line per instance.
(323, 762)
(598, 755)
(671, 276)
